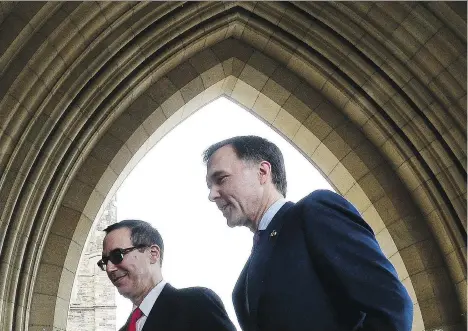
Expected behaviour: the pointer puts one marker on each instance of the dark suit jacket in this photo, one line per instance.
(189, 309)
(321, 270)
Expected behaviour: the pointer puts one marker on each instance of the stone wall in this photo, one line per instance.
(92, 306)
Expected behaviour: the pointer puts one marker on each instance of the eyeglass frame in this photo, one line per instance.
(102, 263)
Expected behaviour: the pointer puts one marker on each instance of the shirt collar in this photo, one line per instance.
(270, 213)
(147, 304)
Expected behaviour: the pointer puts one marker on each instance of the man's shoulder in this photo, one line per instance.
(290, 208)
(327, 198)
(199, 297)
(319, 196)
(193, 289)
(206, 307)
(322, 194)
(197, 292)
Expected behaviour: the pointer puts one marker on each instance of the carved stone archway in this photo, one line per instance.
(373, 93)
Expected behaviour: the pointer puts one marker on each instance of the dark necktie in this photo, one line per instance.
(137, 313)
(256, 241)
(256, 238)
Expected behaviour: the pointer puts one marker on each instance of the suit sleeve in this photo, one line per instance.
(210, 313)
(344, 249)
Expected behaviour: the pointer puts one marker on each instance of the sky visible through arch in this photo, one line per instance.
(167, 188)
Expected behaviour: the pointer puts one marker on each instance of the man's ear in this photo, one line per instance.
(264, 172)
(155, 253)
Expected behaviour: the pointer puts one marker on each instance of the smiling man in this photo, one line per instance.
(132, 258)
(315, 264)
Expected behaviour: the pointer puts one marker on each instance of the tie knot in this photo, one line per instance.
(257, 236)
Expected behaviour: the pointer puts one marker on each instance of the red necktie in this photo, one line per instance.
(137, 313)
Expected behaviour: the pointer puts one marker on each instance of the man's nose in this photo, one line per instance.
(214, 194)
(110, 267)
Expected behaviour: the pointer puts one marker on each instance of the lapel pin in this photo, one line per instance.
(273, 233)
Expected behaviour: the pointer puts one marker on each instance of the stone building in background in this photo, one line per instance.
(93, 305)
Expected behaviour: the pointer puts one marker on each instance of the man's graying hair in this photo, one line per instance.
(256, 149)
(141, 233)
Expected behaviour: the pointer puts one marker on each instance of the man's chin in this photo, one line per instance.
(123, 292)
(232, 223)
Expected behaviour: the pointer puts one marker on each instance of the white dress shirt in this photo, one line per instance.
(147, 304)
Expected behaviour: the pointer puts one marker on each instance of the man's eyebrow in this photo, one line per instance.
(217, 173)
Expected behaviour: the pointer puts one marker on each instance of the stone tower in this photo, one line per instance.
(92, 305)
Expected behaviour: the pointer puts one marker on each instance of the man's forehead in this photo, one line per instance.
(118, 237)
(221, 158)
(223, 154)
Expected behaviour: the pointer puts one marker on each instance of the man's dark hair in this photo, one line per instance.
(141, 233)
(256, 149)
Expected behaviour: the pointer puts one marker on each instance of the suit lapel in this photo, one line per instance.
(159, 316)
(260, 258)
(125, 327)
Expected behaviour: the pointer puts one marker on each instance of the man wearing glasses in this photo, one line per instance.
(132, 257)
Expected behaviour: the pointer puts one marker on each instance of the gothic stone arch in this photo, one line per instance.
(373, 93)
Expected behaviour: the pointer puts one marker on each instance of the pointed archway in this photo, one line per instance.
(97, 84)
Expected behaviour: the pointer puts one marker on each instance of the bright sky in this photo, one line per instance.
(168, 189)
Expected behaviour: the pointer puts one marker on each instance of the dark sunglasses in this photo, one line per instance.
(116, 256)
